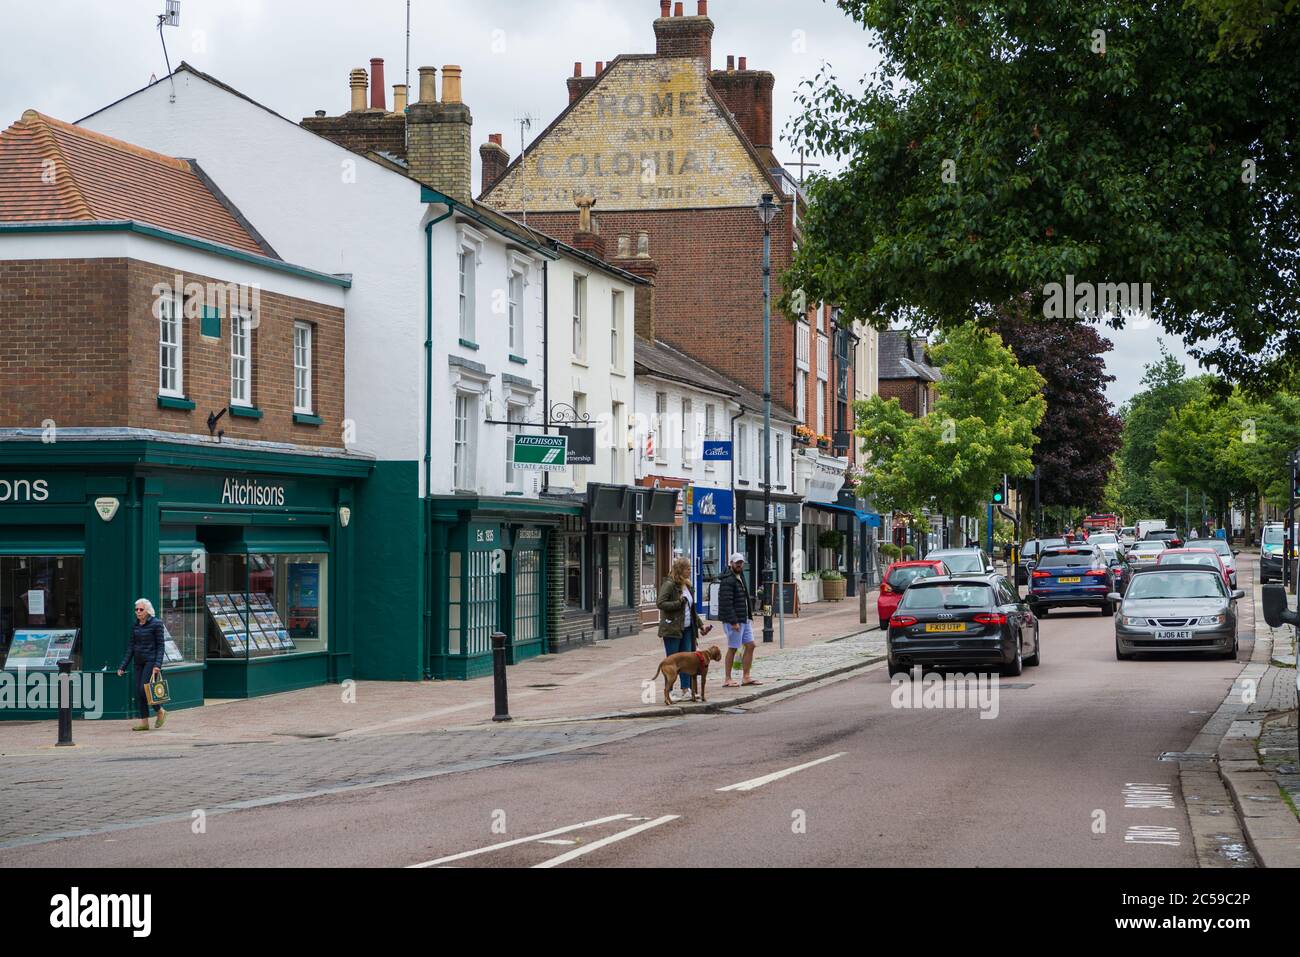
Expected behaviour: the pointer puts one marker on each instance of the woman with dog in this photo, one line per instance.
(677, 620)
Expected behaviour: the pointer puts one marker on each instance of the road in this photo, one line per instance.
(1067, 773)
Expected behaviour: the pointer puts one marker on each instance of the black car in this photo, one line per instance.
(1029, 555)
(1169, 535)
(962, 621)
(1072, 577)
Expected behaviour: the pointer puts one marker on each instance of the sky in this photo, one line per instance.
(294, 56)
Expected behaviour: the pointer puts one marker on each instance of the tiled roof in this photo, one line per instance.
(905, 357)
(55, 171)
(660, 359)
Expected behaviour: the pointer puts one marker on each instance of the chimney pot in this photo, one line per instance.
(703, 8)
(731, 64)
(320, 112)
(600, 67)
(428, 85)
(451, 84)
(643, 245)
(577, 69)
(677, 8)
(744, 64)
(399, 97)
(357, 81)
(624, 246)
(377, 84)
(494, 138)
(664, 6)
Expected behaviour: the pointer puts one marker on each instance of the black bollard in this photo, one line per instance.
(65, 704)
(499, 677)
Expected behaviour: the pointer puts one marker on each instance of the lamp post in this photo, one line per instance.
(767, 211)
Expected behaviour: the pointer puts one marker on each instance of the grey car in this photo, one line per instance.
(1176, 609)
(963, 561)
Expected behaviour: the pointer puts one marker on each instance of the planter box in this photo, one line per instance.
(833, 590)
(809, 590)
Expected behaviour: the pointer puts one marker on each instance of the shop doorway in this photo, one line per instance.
(600, 586)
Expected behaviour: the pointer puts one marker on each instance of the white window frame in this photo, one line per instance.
(171, 314)
(710, 423)
(801, 397)
(821, 408)
(241, 333)
(579, 317)
(741, 451)
(516, 415)
(661, 417)
(780, 458)
(616, 326)
(618, 442)
(515, 295)
(687, 434)
(303, 335)
(463, 439)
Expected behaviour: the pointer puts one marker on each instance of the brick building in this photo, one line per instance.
(906, 373)
(169, 389)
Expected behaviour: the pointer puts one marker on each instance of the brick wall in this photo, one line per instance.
(81, 347)
(438, 148)
(361, 132)
(906, 391)
(709, 286)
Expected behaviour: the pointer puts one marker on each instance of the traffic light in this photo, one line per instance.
(1000, 493)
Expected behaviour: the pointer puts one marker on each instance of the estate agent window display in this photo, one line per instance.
(266, 604)
(40, 611)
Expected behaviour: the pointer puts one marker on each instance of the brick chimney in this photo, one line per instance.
(357, 82)
(588, 237)
(748, 95)
(634, 256)
(439, 146)
(681, 35)
(362, 128)
(377, 101)
(579, 84)
(495, 160)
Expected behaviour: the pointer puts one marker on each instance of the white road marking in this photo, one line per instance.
(579, 851)
(1153, 834)
(1148, 796)
(777, 775)
(562, 841)
(520, 840)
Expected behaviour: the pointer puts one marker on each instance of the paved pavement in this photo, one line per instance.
(1068, 773)
(609, 677)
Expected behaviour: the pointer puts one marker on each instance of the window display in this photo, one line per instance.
(182, 582)
(282, 611)
(40, 610)
(573, 572)
(528, 595)
(618, 570)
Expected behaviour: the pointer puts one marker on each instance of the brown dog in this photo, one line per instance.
(693, 663)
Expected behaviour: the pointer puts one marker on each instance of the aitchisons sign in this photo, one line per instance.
(648, 135)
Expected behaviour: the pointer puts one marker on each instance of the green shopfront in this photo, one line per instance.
(488, 571)
(246, 554)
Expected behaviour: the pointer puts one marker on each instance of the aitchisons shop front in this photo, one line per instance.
(246, 555)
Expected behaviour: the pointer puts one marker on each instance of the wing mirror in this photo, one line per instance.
(1115, 596)
(1276, 611)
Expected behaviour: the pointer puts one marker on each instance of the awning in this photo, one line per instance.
(866, 518)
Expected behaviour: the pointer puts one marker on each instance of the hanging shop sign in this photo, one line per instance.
(541, 453)
(717, 451)
(582, 445)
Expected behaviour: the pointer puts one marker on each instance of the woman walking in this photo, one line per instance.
(677, 619)
(146, 651)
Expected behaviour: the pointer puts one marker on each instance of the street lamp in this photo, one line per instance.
(767, 211)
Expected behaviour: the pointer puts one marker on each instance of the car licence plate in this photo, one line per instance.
(942, 626)
(1069, 581)
(1174, 635)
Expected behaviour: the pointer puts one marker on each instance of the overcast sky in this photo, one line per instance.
(67, 58)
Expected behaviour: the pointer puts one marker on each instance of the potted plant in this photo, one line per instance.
(890, 552)
(804, 434)
(833, 585)
(832, 539)
(909, 551)
(823, 441)
(809, 588)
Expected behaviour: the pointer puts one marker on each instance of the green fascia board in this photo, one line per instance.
(430, 195)
(469, 345)
(171, 402)
(302, 418)
(181, 239)
(519, 359)
(166, 454)
(245, 412)
(452, 508)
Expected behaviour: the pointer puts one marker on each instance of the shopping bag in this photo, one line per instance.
(156, 691)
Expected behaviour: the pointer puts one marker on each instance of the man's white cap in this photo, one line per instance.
(736, 557)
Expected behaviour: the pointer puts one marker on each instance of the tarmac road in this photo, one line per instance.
(1066, 774)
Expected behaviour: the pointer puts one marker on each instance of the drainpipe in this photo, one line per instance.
(735, 519)
(546, 361)
(427, 438)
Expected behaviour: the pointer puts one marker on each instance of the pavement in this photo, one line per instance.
(1251, 740)
(609, 679)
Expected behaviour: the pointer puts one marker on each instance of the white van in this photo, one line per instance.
(1148, 525)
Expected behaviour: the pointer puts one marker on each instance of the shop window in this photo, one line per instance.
(454, 603)
(573, 572)
(482, 584)
(267, 604)
(183, 610)
(711, 551)
(40, 611)
(619, 568)
(649, 570)
(528, 596)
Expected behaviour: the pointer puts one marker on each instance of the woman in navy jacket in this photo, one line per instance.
(146, 650)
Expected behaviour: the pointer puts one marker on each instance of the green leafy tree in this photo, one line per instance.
(1200, 449)
(981, 427)
(1003, 147)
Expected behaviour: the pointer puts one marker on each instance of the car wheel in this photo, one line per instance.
(1119, 655)
(1041, 611)
(884, 624)
(1232, 654)
(1108, 610)
(1037, 657)
(1016, 667)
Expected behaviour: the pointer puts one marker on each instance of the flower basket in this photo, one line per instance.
(833, 588)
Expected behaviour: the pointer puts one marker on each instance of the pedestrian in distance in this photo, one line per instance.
(145, 650)
(678, 619)
(736, 609)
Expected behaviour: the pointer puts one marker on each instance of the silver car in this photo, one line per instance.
(963, 561)
(1224, 550)
(1143, 555)
(1175, 610)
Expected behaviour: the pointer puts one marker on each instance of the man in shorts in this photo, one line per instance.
(735, 608)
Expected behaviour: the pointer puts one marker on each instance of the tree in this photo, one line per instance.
(1005, 148)
(981, 427)
(1199, 449)
(1080, 432)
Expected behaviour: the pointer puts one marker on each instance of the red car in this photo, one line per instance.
(1196, 556)
(898, 576)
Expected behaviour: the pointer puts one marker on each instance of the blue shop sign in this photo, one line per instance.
(717, 451)
(709, 506)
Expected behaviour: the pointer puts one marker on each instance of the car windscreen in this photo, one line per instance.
(1272, 536)
(1066, 560)
(1106, 539)
(926, 596)
(1183, 558)
(1030, 549)
(1175, 585)
(900, 578)
(962, 563)
(1148, 548)
(1217, 544)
